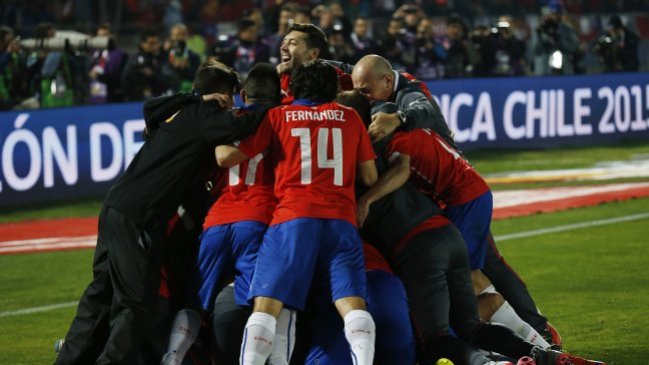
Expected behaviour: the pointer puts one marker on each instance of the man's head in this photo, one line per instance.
(262, 86)
(285, 17)
(150, 42)
(215, 77)
(358, 102)
(315, 80)
(179, 32)
(303, 42)
(248, 31)
(104, 30)
(373, 77)
(361, 26)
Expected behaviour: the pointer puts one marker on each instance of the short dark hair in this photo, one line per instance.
(148, 33)
(316, 38)
(355, 100)
(262, 85)
(244, 24)
(215, 77)
(315, 80)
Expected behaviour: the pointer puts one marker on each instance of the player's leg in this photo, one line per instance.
(228, 323)
(89, 329)
(342, 255)
(388, 303)
(283, 273)
(214, 254)
(464, 311)
(512, 287)
(421, 265)
(247, 237)
(494, 308)
(134, 264)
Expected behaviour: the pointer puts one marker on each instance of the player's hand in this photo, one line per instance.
(382, 125)
(362, 211)
(225, 101)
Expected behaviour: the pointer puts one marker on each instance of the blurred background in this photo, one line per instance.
(76, 52)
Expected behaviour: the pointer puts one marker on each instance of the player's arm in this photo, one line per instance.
(394, 177)
(414, 110)
(229, 155)
(366, 173)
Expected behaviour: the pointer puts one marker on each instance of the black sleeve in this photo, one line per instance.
(220, 126)
(344, 67)
(158, 109)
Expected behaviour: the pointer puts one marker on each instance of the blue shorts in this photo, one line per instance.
(227, 249)
(473, 220)
(293, 252)
(388, 304)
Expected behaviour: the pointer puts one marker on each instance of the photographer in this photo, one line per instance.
(557, 44)
(180, 63)
(624, 46)
(142, 76)
(54, 75)
(502, 53)
(430, 55)
(244, 51)
(462, 55)
(13, 81)
(105, 72)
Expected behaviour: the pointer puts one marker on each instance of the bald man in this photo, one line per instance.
(374, 77)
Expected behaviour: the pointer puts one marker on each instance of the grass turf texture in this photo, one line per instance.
(591, 283)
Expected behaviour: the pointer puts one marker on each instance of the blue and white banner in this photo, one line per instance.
(70, 153)
(544, 112)
(66, 153)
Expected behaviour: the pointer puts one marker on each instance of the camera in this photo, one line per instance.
(83, 44)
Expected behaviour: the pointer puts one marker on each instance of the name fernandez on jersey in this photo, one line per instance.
(310, 115)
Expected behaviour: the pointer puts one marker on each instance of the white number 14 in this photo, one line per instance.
(335, 163)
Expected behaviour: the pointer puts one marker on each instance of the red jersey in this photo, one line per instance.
(315, 149)
(345, 81)
(437, 169)
(246, 193)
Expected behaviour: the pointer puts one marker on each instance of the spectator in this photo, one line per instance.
(53, 76)
(339, 48)
(13, 81)
(557, 43)
(180, 62)
(360, 40)
(106, 68)
(391, 46)
(274, 41)
(462, 55)
(245, 50)
(143, 72)
(503, 54)
(626, 44)
(430, 55)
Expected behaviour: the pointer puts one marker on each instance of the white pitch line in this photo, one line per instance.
(44, 308)
(570, 227)
(506, 237)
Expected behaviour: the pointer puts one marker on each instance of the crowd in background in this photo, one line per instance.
(430, 39)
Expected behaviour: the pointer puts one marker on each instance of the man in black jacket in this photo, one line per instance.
(182, 132)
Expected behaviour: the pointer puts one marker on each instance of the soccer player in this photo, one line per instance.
(374, 77)
(235, 224)
(317, 146)
(386, 300)
(302, 43)
(431, 260)
(134, 216)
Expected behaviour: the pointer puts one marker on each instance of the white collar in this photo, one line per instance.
(396, 80)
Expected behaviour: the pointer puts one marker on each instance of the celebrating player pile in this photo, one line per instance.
(284, 230)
